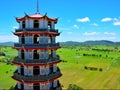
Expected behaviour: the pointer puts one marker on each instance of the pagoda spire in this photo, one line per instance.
(37, 7)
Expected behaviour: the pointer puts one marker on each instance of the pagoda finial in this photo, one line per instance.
(37, 8)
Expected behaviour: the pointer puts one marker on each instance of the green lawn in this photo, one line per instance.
(6, 71)
(73, 67)
(74, 72)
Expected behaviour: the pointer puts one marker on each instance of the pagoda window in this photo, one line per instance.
(36, 39)
(22, 54)
(36, 70)
(36, 54)
(51, 85)
(36, 24)
(23, 24)
(51, 53)
(23, 39)
(51, 69)
(49, 25)
(22, 70)
(50, 39)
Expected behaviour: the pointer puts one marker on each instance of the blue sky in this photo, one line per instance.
(79, 20)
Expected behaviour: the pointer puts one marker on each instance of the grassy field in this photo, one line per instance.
(73, 67)
(74, 72)
(6, 70)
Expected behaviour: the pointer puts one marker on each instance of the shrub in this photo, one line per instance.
(100, 69)
(74, 87)
(2, 54)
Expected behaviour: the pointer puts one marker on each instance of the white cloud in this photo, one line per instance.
(90, 33)
(115, 19)
(76, 26)
(86, 19)
(7, 38)
(106, 19)
(109, 33)
(15, 27)
(94, 24)
(116, 23)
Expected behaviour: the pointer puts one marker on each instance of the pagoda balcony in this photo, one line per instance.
(50, 60)
(18, 45)
(36, 78)
(37, 30)
(58, 87)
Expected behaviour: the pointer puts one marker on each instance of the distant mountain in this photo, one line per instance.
(100, 42)
(117, 43)
(7, 43)
(71, 43)
(97, 42)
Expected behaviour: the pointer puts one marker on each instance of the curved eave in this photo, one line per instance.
(43, 17)
(48, 64)
(37, 81)
(23, 32)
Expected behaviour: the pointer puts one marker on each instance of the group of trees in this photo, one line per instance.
(97, 55)
(93, 68)
(104, 50)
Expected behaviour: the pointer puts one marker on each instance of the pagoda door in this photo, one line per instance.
(22, 87)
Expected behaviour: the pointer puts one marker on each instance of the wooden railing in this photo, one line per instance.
(37, 78)
(38, 61)
(18, 45)
(38, 30)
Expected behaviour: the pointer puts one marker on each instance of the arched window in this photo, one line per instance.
(36, 39)
(49, 25)
(36, 24)
(22, 70)
(36, 70)
(23, 24)
(51, 69)
(22, 54)
(36, 54)
(23, 39)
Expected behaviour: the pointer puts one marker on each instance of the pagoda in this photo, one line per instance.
(37, 60)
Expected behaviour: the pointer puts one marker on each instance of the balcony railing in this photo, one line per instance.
(52, 88)
(18, 45)
(38, 30)
(37, 61)
(36, 78)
